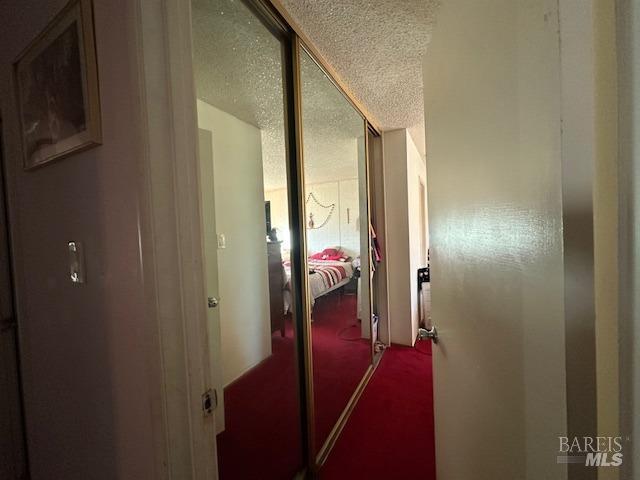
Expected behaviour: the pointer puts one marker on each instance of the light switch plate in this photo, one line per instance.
(76, 262)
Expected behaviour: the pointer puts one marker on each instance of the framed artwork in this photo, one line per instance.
(56, 80)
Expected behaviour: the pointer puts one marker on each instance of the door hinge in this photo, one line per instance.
(209, 401)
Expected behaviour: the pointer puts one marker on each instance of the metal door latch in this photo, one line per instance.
(209, 402)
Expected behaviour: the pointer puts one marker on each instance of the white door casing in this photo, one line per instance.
(171, 238)
(210, 255)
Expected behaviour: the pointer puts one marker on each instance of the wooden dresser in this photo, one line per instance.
(276, 284)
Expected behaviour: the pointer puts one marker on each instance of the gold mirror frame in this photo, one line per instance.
(272, 13)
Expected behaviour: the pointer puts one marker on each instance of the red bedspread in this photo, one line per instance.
(330, 272)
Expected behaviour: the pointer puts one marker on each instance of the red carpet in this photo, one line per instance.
(390, 433)
(340, 359)
(262, 435)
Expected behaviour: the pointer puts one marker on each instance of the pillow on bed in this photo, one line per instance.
(329, 254)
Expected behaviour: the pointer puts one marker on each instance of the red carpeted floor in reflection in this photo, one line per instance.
(262, 435)
(261, 439)
(390, 434)
(340, 358)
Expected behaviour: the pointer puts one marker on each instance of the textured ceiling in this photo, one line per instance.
(376, 46)
(238, 69)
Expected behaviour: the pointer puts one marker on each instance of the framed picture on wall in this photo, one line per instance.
(56, 80)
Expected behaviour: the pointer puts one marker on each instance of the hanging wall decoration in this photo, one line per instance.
(57, 88)
(311, 224)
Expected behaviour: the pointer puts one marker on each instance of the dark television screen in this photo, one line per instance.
(267, 214)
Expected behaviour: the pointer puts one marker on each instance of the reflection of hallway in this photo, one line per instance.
(390, 433)
(261, 406)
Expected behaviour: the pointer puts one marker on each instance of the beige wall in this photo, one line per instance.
(397, 236)
(578, 164)
(242, 265)
(91, 388)
(403, 168)
(492, 103)
(605, 203)
(341, 230)
(628, 41)
(416, 174)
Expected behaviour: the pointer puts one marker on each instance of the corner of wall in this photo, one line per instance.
(395, 151)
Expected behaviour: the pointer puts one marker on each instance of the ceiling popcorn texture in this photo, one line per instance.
(238, 69)
(376, 47)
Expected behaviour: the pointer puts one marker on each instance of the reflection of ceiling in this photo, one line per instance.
(376, 46)
(238, 67)
(330, 127)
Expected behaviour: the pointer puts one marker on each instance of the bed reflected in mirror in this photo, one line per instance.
(337, 227)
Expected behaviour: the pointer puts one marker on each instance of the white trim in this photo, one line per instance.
(171, 237)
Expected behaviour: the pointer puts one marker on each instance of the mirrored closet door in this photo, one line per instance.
(337, 233)
(238, 70)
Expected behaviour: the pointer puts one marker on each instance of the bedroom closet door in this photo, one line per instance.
(245, 196)
(337, 232)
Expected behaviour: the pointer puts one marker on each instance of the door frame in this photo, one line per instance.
(170, 242)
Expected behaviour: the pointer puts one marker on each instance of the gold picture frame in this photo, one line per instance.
(57, 92)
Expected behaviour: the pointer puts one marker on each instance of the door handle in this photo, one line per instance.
(212, 302)
(431, 334)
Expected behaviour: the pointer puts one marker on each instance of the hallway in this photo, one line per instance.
(390, 432)
(214, 215)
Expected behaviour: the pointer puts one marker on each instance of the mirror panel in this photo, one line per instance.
(238, 69)
(337, 230)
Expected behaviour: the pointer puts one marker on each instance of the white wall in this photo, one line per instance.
(341, 230)
(416, 173)
(242, 266)
(403, 168)
(91, 384)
